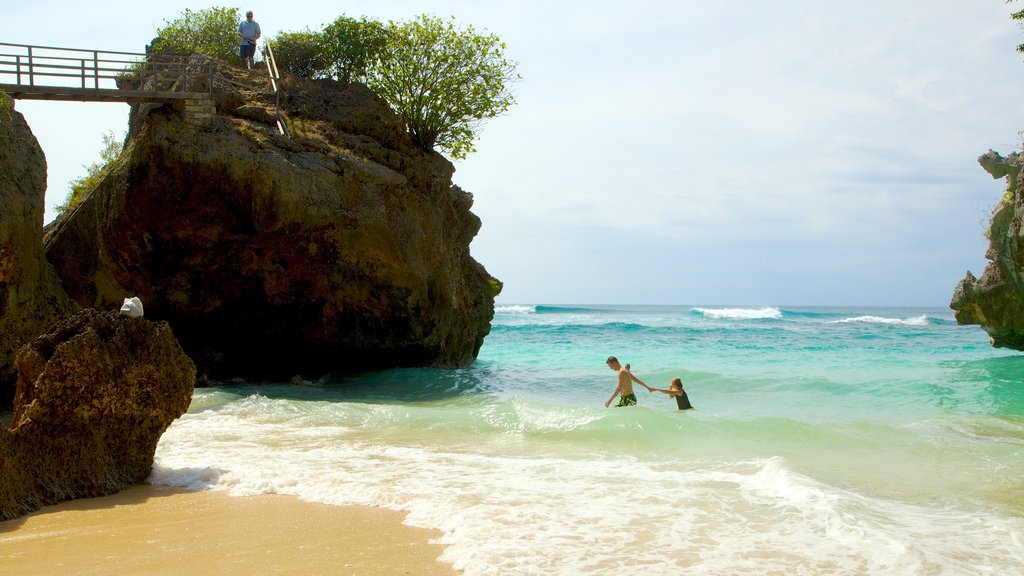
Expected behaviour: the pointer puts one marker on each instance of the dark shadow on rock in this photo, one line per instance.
(94, 396)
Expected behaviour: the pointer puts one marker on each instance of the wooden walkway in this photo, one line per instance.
(48, 73)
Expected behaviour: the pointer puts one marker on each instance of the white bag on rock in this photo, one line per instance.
(132, 307)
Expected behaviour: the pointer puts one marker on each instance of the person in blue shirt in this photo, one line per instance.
(249, 31)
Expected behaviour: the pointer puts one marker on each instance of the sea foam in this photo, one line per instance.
(525, 512)
(921, 320)
(515, 309)
(767, 312)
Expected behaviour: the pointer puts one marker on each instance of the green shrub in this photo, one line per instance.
(6, 113)
(351, 45)
(443, 81)
(211, 31)
(78, 188)
(302, 54)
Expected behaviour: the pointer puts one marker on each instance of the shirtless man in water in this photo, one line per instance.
(624, 389)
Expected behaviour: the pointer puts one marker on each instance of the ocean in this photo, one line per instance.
(823, 441)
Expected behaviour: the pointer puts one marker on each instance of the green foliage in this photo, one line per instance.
(1019, 17)
(112, 147)
(301, 54)
(444, 82)
(351, 45)
(343, 50)
(6, 113)
(211, 31)
(496, 286)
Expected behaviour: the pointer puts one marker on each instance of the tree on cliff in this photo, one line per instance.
(212, 31)
(1019, 17)
(352, 45)
(302, 54)
(444, 82)
(343, 50)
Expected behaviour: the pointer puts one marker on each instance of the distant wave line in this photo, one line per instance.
(766, 313)
(515, 309)
(921, 320)
(540, 309)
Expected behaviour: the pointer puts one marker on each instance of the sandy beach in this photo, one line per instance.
(149, 530)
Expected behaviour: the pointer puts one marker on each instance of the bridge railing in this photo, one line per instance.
(44, 67)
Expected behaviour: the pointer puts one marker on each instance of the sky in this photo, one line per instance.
(679, 152)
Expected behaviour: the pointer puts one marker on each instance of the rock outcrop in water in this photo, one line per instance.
(31, 298)
(94, 395)
(996, 300)
(343, 248)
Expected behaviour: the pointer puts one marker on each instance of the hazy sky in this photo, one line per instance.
(682, 152)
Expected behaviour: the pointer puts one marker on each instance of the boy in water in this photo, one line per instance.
(625, 380)
(675, 389)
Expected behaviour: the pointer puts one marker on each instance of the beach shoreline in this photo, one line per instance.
(156, 530)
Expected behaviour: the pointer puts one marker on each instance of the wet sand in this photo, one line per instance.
(148, 530)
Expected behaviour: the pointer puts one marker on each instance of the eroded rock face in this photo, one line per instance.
(94, 395)
(342, 248)
(31, 298)
(996, 300)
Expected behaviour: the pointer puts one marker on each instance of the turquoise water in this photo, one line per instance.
(824, 440)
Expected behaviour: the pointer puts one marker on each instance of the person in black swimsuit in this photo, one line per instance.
(675, 390)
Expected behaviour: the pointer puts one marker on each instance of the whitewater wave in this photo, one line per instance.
(768, 313)
(541, 309)
(921, 320)
(515, 309)
(492, 486)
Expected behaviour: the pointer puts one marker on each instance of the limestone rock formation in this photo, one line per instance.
(996, 300)
(31, 298)
(94, 395)
(342, 248)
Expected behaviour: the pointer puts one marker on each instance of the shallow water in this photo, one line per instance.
(824, 440)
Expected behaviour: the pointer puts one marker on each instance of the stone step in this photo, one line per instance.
(200, 111)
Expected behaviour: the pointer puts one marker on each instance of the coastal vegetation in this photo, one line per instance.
(6, 113)
(343, 50)
(1019, 17)
(301, 53)
(211, 31)
(351, 46)
(112, 147)
(443, 80)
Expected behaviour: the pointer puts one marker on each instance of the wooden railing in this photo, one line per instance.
(45, 72)
(275, 77)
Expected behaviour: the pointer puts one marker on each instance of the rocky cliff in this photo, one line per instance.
(996, 300)
(93, 397)
(31, 298)
(344, 247)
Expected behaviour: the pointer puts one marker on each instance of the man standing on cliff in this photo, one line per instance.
(249, 30)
